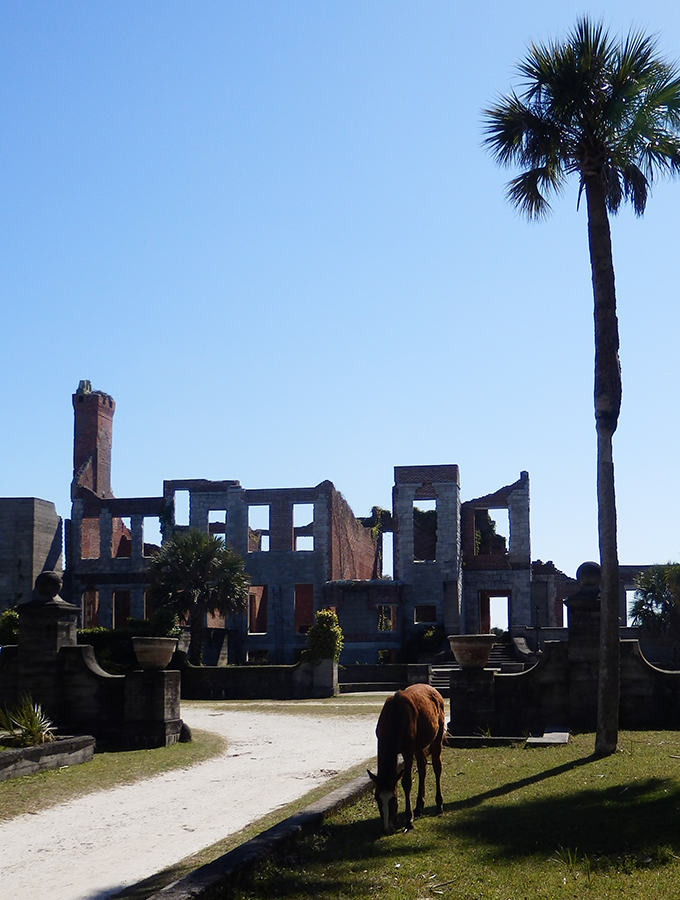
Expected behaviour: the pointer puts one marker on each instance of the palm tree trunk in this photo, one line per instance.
(607, 407)
(196, 631)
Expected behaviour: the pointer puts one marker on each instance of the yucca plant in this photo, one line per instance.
(27, 724)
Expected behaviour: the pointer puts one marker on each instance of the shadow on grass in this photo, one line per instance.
(512, 786)
(299, 869)
(633, 818)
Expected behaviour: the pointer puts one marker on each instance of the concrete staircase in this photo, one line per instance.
(501, 658)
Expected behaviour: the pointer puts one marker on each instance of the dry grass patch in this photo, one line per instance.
(368, 704)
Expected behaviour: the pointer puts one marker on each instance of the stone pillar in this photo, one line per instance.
(46, 624)
(584, 647)
(137, 602)
(137, 529)
(105, 611)
(281, 525)
(472, 701)
(152, 708)
(105, 534)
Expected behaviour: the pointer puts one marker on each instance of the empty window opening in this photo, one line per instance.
(90, 608)
(387, 555)
(182, 507)
(151, 535)
(304, 608)
(424, 615)
(121, 537)
(387, 618)
(630, 602)
(491, 533)
(303, 514)
(565, 615)
(258, 529)
(303, 526)
(498, 609)
(217, 523)
(89, 539)
(386, 657)
(424, 530)
(214, 620)
(494, 611)
(257, 657)
(257, 609)
(121, 608)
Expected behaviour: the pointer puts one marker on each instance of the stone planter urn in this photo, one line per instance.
(154, 652)
(471, 650)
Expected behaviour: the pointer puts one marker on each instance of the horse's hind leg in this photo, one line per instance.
(406, 782)
(436, 754)
(421, 760)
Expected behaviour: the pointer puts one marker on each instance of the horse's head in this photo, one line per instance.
(386, 798)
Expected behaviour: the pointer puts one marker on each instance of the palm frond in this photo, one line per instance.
(529, 191)
(589, 105)
(517, 133)
(635, 188)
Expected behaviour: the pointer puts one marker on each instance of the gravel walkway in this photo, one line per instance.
(94, 846)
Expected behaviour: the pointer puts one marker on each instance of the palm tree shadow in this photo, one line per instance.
(511, 786)
(627, 818)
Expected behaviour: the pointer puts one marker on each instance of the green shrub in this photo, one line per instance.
(324, 638)
(113, 647)
(9, 627)
(27, 724)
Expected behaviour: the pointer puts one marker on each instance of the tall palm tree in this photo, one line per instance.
(194, 573)
(608, 112)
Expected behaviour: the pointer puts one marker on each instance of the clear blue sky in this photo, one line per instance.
(270, 231)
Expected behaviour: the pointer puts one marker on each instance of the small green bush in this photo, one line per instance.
(324, 638)
(9, 627)
(113, 647)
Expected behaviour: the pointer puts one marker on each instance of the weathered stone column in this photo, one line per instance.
(46, 624)
(152, 708)
(584, 647)
(472, 701)
(137, 536)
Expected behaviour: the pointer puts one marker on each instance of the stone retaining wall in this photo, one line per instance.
(68, 751)
(299, 682)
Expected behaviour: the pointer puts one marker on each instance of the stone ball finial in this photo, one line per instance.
(48, 584)
(588, 575)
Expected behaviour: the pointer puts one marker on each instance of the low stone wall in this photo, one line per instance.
(68, 751)
(398, 674)
(302, 681)
(561, 690)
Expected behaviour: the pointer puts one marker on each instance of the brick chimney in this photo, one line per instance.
(92, 441)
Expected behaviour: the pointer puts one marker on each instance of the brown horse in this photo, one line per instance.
(411, 723)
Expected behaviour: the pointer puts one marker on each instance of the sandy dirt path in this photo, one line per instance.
(92, 847)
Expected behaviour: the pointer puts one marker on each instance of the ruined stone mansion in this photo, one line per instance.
(303, 549)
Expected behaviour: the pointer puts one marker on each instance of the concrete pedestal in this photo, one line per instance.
(473, 701)
(152, 713)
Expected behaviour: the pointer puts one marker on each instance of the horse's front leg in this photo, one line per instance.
(406, 782)
(421, 761)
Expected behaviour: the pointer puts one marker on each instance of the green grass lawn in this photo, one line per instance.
(518, 824)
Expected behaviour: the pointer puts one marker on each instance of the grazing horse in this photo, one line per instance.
(411, 723)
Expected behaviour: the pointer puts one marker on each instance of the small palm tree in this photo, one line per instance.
(195, 573)
(607, 112)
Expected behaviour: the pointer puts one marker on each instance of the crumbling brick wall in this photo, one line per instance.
(353, 546)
